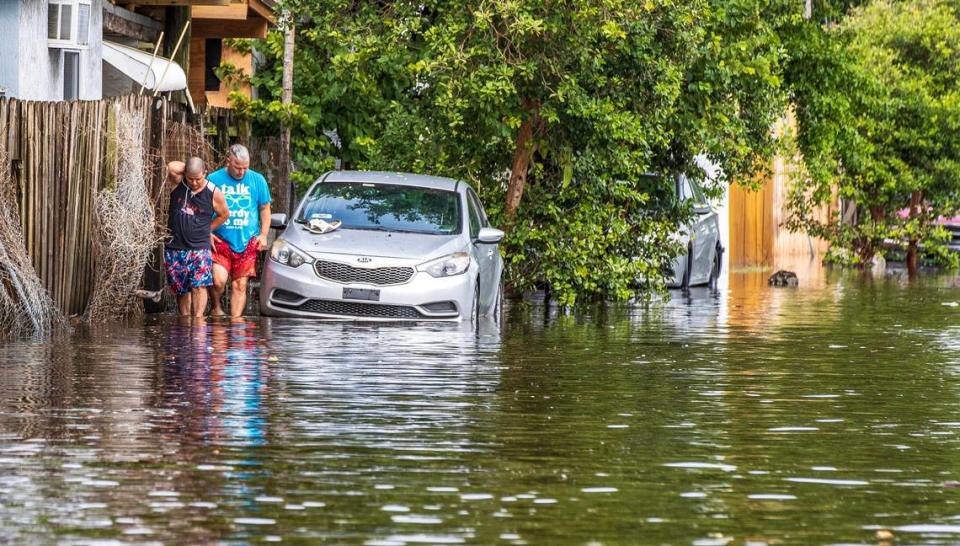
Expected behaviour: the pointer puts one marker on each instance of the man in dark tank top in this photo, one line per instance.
(186, 255)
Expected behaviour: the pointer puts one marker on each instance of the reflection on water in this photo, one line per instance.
(745, 415)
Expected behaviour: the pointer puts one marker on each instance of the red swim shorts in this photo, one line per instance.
(237, 264)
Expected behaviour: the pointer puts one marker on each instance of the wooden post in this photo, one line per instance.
(156, 48)
(287, 99)
(176, 48)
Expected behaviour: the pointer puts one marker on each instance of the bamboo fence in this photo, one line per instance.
(62, 154)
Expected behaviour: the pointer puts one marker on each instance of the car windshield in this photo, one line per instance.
(384, 207)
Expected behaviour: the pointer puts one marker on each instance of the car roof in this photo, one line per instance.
(399, 179)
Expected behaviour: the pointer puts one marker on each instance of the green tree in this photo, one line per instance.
(878, 101)
(551, 109)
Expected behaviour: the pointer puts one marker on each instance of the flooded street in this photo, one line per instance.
(748, 415)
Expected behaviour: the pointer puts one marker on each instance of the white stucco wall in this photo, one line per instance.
(9, 51)
(41, 67)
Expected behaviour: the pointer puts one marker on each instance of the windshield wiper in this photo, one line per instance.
(384, 228)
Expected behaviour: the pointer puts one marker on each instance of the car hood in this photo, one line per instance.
(355, 242)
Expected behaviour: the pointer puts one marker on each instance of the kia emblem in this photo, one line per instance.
(364, 260)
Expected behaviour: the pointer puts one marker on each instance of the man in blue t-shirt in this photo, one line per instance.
(238, 240)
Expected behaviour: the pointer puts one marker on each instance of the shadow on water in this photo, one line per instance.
(731, 415)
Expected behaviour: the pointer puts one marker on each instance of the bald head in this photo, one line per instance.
(194, 174)
(194, 167)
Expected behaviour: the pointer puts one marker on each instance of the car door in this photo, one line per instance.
(487, 255)
(704, 231)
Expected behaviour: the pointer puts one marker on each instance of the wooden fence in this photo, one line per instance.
(758, 236)
(58, 156)
(63, 153)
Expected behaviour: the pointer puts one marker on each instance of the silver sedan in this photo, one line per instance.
(384, 246)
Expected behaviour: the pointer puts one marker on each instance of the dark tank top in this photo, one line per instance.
(189, 218)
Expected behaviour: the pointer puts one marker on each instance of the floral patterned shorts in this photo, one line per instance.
(188, 269)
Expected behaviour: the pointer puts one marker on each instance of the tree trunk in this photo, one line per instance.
(522, 154)
(916, 199)
(912, 259)
(287, 98)
(867, 248)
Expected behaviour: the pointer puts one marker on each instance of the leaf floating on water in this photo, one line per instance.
(885, 534)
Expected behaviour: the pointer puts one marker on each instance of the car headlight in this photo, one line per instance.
(447, 266)
(284, 253)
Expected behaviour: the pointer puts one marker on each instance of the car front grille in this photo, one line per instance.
(380, 276)
(354, 309)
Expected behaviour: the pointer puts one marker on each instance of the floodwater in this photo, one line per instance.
(746, 416)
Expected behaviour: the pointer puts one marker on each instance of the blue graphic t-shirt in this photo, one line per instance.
(244, 199)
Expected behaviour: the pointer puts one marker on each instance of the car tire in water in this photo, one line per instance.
(717, 264)
(498, 305)
(475, 314)
(685, 282)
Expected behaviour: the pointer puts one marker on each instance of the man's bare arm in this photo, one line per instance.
(264, 225)
(175, 170)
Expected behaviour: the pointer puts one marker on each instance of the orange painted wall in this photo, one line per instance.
(196, 76)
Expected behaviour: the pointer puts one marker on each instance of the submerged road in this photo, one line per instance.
(747, 415)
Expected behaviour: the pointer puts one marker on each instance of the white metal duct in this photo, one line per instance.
(154, 73)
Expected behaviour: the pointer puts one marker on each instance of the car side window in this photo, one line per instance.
(474, 217)
(698, 196)
(686, 192)
(484, 221)
(690, 191)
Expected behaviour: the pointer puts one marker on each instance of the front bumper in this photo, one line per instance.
(299, 292)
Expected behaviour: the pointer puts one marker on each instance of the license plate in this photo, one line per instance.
(366, 294)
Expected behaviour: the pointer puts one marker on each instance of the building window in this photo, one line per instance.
(213, 52)
(71, 75)
(68, 23)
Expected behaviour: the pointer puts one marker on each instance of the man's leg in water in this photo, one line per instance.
(220, 278)
(238, 296)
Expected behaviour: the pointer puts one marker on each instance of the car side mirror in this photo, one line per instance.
(278, 220)
(489, 236)
(702, 209)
